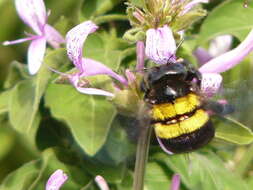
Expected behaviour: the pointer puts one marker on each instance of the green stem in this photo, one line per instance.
(108, 18)
(141, 156)
(245, 161)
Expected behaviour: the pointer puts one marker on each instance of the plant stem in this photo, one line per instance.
(141, 156)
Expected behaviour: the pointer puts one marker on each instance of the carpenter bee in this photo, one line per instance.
(178, 110)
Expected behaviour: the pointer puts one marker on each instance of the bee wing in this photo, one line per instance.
(220, 107)
(236, 100)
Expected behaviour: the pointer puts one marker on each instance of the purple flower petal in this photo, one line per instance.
(79, 85)
(175, 182)
(6, 43)
(192, 4)
(54, 38)
(202, 55)
(56, 180)
(160, 45)
(210, 83)
(130, 76)
(92, 67)
(220, 44)
(101, 183)
(228, 60)
(94, 91)
(33, 13)
(75, 39)
(36, 53)
(140, 51)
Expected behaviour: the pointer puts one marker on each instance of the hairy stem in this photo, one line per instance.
(141, 156)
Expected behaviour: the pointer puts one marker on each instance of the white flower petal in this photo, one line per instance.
(101, 183)
(160, 45)
(54, 38)
(220, 44)
(75, 80)
(56, 180)
(94, 91)
(192, 4)
(36, 53)
(33, 13)
(210, 83)
(75, 39)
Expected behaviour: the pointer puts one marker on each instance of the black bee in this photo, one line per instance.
(178, 111)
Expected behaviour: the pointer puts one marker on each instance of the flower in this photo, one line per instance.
(86, 67)
(161, 48)
(56, 180)
(160, 45)
(102, 184)
(140, 52)
(33, 13)
(219, 45)
(175, 182)
(229, 59)
(226, 61)
(189, 5)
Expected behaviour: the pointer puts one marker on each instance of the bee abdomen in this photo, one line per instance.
(190, 141)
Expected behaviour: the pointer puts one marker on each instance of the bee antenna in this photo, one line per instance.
(178, 46)
(180, 43)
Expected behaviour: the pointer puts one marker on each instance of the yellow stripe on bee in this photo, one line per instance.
(186, 104)
(163, 111)
(183, 127)
(181, 106)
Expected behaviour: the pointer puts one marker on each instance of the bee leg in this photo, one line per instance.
(220, 107)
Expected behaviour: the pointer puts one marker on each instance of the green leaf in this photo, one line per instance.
(209, 173)
(138, 3)
(229, 17)
(127, 182)
(104, 48)
(23, 109)
(117, 145)
(112, 174)
(17, 72)
(22, 177)
(156, 176)
(4, 100)
(96, 7)
(7, 139)
(202, 171)
(26, 95)
(178, 163)
(34, 175)
(88, 117)
(232, 131)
